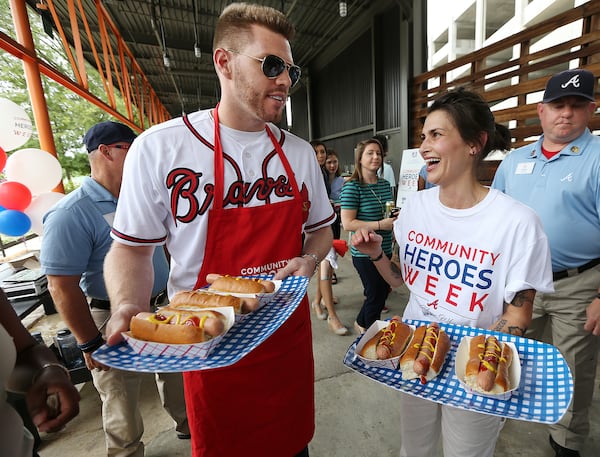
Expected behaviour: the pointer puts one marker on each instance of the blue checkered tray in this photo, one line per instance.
(241, 339)
(543, 395)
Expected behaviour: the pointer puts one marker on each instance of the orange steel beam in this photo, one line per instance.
(34, 82)
(14, 48)
(114, 61)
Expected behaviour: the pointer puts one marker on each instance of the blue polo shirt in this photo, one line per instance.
(565, 193)
(77, 238)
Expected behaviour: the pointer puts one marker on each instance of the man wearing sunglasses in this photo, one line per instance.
(75, 242)
(229, 192)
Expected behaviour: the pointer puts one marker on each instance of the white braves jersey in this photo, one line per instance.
(461, 265)
(168, 182)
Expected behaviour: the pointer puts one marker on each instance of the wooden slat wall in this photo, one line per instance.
(531, 70)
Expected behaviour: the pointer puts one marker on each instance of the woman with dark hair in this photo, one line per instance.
(363, 202)
(334, 184)
(469, 255)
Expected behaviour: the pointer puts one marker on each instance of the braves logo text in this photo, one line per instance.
(184, 186)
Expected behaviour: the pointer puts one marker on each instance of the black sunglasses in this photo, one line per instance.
(272, 66)
(124, 147)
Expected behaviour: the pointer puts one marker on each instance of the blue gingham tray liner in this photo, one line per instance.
(241, 339)
(543, 395)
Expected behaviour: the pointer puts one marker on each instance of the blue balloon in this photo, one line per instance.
(2, 208)
(14, 223)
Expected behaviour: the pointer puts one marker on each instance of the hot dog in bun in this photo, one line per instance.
(176, 326)
(388, 342)
(242, 286)
(235, 284)
(426, 353)
(194, 299)
(488, 364)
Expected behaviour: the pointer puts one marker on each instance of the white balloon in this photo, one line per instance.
(39, 170)
(15, 125)
(39, 206)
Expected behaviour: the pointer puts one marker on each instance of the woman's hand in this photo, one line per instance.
(387, 223)
(367, 241)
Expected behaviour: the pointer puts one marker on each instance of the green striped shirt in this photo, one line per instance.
(368, 200)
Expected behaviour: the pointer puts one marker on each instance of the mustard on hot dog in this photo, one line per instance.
(488, 365)
(177, 327)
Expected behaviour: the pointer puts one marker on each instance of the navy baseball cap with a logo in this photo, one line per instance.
(579, 83)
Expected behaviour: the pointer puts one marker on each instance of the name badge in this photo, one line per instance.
(524, 168)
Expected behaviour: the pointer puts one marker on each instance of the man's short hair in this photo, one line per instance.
(233, 26)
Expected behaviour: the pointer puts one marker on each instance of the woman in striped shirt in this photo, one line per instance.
(363, 202)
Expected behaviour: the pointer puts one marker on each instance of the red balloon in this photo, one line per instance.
(14, 195)
(2, 158)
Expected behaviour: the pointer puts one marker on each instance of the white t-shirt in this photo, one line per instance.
(461, 265)
(168, 178)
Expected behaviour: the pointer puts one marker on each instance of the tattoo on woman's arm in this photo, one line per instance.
(511, 329)
(499, 325)
(396, 271)
(523, 297)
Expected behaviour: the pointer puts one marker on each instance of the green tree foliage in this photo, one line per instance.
(70, 115)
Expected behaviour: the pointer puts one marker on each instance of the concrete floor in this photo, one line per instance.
(355, 416)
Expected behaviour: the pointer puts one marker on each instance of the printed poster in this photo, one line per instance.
(408, 178)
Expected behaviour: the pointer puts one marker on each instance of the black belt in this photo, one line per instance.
(105, 304)
(575, 271)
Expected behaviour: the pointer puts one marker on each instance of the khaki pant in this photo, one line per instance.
(559, 318)
(120, 390)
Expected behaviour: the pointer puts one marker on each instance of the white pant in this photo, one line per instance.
(464, 433)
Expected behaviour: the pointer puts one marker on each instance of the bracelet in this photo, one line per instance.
(379, 257)
(92, 345)
(48, 365)
(315, 258)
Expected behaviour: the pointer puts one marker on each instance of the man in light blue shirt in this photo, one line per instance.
(559, 177)
(75, 242)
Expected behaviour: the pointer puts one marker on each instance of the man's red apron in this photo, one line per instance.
(264, 404)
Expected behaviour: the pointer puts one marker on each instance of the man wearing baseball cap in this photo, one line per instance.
(75, 242)
(559, 177)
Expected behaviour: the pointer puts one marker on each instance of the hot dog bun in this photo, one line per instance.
(177, 327)
(243, 286)
(388, 342)
(408, 358)
(426, 353)
(488, 366)
(194, 299)
(235, 284)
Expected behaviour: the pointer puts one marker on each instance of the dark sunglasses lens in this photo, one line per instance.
(294, 75)
(273, 66)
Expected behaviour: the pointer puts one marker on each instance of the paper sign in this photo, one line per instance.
(408, 178)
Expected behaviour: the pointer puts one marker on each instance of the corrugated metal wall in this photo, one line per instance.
(342, 92)
(300, 116)
(358, 93)
(388, 58)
